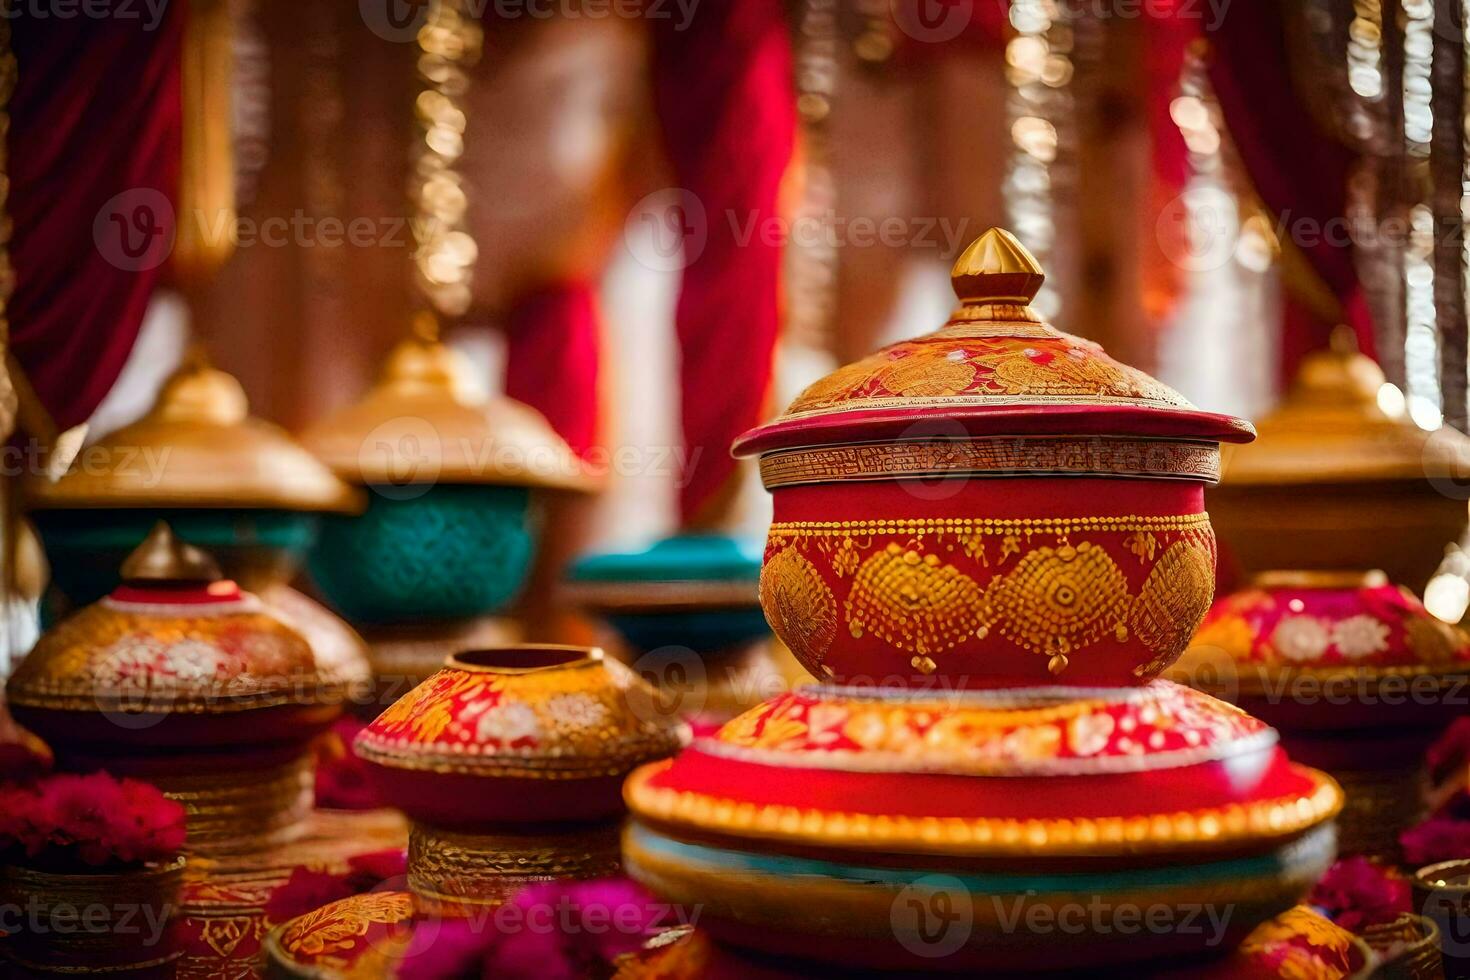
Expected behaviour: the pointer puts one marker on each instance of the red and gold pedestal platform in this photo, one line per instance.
(987, 542)
(1359, 677)
(225, 907)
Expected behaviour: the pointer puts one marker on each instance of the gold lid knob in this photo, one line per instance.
(996, 268)
(162, 557)
(199, 392)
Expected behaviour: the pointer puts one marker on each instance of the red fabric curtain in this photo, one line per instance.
(95, 144)
(552, 359)
(1300, 171)
(726, 102)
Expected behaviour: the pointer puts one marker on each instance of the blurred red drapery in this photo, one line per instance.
(95, 145)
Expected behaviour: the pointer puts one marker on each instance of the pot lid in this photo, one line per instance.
(995, 369)
(1320, 623)
(530, 710)
(984, 773)
(175, 637)
(198, 446)
(684, 572)
(1332, 428)
(420, 424)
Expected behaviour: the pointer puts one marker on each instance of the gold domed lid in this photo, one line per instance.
(420, 424)
(198, 446)
(995, 369)
(175, 637)
(1332, 428)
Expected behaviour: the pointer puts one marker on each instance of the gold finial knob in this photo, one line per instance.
(199, 392)
(996, 268)
(162, 557)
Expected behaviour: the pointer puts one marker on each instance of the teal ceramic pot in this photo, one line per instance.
(692, 590)
(255, 547)
(451, 552)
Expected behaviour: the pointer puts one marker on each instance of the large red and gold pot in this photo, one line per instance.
(996, 503)
(891, 827)
(181, 678)
(509, 762)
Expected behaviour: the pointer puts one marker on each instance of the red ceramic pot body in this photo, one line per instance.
(994, 504)
(526, 734)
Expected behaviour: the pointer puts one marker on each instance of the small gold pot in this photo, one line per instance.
(94, 923)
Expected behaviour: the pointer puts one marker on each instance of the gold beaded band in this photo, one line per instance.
(451, 874)
(1222, 826)
(234, 811)
(1017, 456)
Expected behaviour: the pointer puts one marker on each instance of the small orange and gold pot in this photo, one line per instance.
(996, 503)
(174, 671)
(510, 764)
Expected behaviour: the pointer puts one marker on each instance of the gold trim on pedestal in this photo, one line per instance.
(230, 811)
(451, 873)
(1214, 827)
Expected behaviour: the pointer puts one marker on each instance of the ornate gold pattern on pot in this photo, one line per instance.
(243, 811)
(799, 606)
(931, 588)
(912, 601)
(1059, 599)
(1175, 598)
(197, 447)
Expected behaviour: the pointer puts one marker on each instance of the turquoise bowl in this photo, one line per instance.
(254, 546)
(452, 551)
(698, 591)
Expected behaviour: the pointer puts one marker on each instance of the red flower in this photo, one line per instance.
(92, 821)
(1436, 839)
(1355, 893)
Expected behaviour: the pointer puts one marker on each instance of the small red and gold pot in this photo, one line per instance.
(996, 503)
(122, 922)
(510, 761)
(1357, 675)
(175, 673)
(898, 828)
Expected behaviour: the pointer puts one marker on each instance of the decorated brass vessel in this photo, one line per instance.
(963, 523)
(509, 762)
(450, 528)
(996, 502)
(1337, 514)
(222, 478)
(1336, 483)
(181, 678)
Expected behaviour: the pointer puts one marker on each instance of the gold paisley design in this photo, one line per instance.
(336, 927)
(927, 378)
(801, 609)
(913, 602)
(1173, 601)
(1057, 600)
(835, 388)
